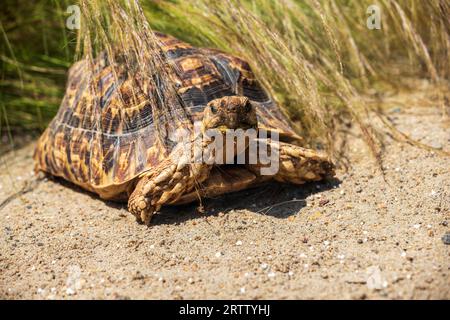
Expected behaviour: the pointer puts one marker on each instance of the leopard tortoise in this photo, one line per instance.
(111, 142)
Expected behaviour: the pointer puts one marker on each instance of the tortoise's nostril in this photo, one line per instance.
(248, 107)
(232, 108)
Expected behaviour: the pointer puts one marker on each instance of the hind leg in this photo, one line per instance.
(164, 185)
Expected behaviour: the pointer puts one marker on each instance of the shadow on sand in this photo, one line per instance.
(275, 199)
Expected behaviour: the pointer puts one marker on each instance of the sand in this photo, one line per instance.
(355, 237)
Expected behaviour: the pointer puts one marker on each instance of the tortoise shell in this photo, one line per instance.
(102, 139)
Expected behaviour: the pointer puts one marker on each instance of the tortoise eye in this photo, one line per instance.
(213, 109)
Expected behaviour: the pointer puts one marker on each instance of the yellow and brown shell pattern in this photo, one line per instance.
(103, 136)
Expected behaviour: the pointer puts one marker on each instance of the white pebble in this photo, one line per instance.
(302, 255)
(242, 290)
(218, 254)
(70, 291)
(416, 226)
(190, 280)
(403, 254)
(271, 274)
(306, 265)
(264, 266)
(239, 243)
(326, 243)
(290, 273)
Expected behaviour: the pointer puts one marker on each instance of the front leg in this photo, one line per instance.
(164, 185)
(295, 164)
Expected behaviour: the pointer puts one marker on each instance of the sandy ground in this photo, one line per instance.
(355, 237)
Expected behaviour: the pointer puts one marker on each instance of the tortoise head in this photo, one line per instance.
(230, 112)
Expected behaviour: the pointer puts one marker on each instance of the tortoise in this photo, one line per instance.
(108, 142)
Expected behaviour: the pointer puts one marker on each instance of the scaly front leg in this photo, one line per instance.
(164, 185)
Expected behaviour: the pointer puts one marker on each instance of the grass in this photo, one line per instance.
(317, 58)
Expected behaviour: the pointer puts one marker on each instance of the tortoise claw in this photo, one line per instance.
(161, 187)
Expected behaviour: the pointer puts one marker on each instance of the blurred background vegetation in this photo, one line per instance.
(317, 58)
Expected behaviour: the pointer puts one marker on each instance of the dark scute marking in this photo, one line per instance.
(67, 139)
(195, 96)
(254, 91)
(108, 147)
(180, 52)
(74, 121)
(230, 76)
(87, 154)
(104, 100)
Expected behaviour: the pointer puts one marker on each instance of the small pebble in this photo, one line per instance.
(70, 291)
(271, 274)
(239, 243)
(446, 238)
(218, 254)
(264, 266)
